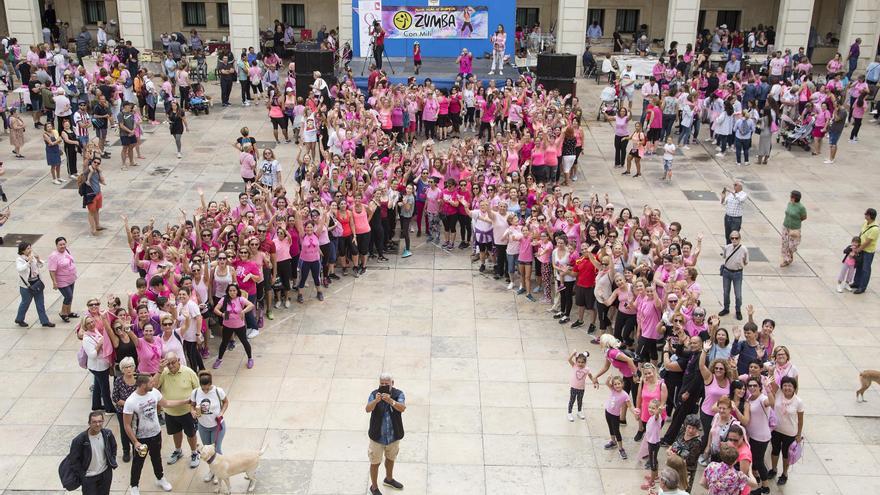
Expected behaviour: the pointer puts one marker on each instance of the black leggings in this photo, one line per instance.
(245, 90)
(576, 394)
(653, 450)
(242, 337)
(759, 449)
(484, 126)
(857, 124)
(154, 446)
(469, 115)
(624, 325)
(71, 152)
(620, 150)
(614, 427)
(377, 236)
(604, 321)
(286, 272)
(429, 128)
(566, 296)
(780, 442)
(404, 230)
(464, 221)
(193, 356)
(313, 267)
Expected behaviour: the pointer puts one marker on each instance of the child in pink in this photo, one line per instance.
(613, 406)
(652, 438)
(578, 382)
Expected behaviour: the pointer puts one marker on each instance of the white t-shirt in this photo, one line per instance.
(144, 408)
(786, 413)
(270, 169)
(209, 404)
(98, 464)
(668, 151)
(191, 332)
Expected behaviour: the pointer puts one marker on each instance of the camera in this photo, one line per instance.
(385, 389)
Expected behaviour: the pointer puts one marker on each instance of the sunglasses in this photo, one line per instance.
(732, 238)
(167, 323)
(206, 235)
(221, 258)
(92, 304)
(678, 320)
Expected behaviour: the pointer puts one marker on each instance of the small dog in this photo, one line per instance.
(225, 466)
(866, 377)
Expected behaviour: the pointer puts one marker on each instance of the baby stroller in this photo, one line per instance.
(608, 101)
(799, 134)
(198, 102)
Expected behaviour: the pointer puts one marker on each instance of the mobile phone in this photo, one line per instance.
(385, 389)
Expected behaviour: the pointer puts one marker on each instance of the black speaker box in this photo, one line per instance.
(566, 86)
(561, 65)
(308, 61)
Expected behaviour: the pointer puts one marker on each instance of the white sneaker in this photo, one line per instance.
(581, 415)
(840, 287)
(570, 417)
(73, 176)
(253, 333)
(718, 148)
(277, 304)
(747, 163)
(719, 154)
(847, 287)
(686, 147)
(287, 303)
(164, 484)
(208, 477)
(179, 156)
(135, 491)
(510, 286)
(491, 72)
(828, 162)
(500, 72)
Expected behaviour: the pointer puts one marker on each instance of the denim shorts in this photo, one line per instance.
(833, 137)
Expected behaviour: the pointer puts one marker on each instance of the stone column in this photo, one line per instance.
(23, 19)
(134, 23)
(244, 24)
(571, 27)
(681, 22)
(344, 22)
(861, 19)
(793, 26)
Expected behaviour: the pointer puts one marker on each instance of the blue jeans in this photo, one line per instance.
(742, 146)
(853, 63)
(101, 391)
(696, 127)
(737, 279)
(250, 318)
(863, 271)
(67, 294)
(210, 436)
(26, 298)
(684, 138)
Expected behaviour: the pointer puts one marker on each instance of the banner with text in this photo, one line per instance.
(369, 11)
(453, 22)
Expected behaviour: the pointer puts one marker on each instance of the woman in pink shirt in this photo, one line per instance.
(62, 269)
(232, 308)
(248, 163)
(429, 116)
(310, 252)
(647, 316)
(285, 266)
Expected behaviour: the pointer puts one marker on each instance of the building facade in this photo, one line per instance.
(837, 23)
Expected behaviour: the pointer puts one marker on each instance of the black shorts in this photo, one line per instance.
(127, 140)
(279, 122)
(584, 296)
(346, 247)
(485, 247)
(363, 241)
(647, 349)
(443, 120)
(653, 134)
(449, 223)
(176, 424)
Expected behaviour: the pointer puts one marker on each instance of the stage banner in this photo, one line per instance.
(368, 11)
(452, 22)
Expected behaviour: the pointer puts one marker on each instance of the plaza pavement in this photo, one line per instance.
(484, 372)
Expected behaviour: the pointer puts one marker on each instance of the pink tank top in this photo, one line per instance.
(361, 222)
(649, 394)
(713, 393)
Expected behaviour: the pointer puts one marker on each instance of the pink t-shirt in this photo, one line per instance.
(652, 429)
(248, 164)
(64, 267)
(615, 402)
(432, 203)
(282, 249)
(525, 249)
(622, 366)
(647, 316)
(579, 377)
(310, 248)
(233, 318)
(243, 268)
(149, 354)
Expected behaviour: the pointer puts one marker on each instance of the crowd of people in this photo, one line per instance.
(483, 169)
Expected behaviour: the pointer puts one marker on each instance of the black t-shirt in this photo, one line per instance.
(222, 66)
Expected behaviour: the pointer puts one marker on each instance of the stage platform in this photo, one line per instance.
(441, 70)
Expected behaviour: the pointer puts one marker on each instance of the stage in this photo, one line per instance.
(441, 70)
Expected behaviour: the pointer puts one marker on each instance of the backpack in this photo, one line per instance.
(67, 472)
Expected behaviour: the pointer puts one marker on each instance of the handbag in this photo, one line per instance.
(82, 358)
(795, 452)
(35, 286)
(721, 269)
(772, 419)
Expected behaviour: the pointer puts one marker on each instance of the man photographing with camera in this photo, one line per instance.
(385, 406)
(377, 34)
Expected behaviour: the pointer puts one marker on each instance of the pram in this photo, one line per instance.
(608, 102)
(198, 102)
(798, 134)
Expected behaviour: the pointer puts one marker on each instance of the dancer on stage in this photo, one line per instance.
(378, 36)
(417, 56)
(499, 40)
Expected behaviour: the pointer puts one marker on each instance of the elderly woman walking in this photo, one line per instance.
(795, 213)
(30, 285)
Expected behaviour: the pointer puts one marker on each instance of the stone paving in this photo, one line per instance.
(484, 371)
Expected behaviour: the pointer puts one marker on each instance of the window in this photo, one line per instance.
(729, 17)
(194, 14)
(223, 14)
(94, 11)
(597, 15)
(627, 20)
(526, 16)
(293, 14)
(701, 21)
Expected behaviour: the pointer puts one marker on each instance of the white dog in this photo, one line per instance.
(225, 466)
